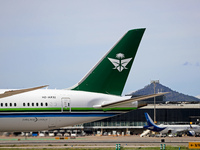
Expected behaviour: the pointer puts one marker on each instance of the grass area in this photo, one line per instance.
(156, 148)
(138, 148)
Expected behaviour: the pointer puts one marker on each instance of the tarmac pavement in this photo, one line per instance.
(97, 141)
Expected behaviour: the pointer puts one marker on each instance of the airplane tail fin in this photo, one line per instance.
(109, 75)
(151, 125)
(149, 120)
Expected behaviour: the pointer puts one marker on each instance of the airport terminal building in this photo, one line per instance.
(132, 122)
(135, 120)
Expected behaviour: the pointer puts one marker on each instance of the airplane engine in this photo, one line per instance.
(191, 133)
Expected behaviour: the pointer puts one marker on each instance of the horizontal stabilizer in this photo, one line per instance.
(14, 92)
(123, 102)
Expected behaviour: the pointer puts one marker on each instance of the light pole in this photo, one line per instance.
(154, 82)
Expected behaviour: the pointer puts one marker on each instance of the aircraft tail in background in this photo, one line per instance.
(151, 125)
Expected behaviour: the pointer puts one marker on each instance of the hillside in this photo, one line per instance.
(172, 96)
(198, 96)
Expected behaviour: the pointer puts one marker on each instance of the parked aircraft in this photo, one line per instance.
(96, 96)
(170, 129)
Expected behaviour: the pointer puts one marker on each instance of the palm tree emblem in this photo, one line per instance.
(120, 63)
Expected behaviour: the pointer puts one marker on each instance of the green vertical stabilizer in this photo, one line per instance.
(109, 75)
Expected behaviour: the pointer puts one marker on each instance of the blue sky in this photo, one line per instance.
(58, 42)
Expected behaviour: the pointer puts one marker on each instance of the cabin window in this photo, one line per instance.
(46, 104)
(24, 104)
(41, 104)
(28, 104)
(6, 104)
(1, 104)
(36, 104)
(10, 104)
(15, 104)
(32, 104)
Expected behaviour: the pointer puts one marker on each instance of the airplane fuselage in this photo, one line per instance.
(96, 96)
(171, 129)
(48, 109)
(178, 128)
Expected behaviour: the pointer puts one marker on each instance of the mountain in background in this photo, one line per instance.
(171, 96)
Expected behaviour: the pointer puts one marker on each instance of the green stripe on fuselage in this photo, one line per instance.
(57, 109)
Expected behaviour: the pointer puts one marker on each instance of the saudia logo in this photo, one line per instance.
(120, 63)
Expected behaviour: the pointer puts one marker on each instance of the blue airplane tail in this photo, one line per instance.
(151, 125)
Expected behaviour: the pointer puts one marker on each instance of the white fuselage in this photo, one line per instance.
(48, 109)
(179, 128)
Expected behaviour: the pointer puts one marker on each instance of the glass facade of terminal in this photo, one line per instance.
(163, 116)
